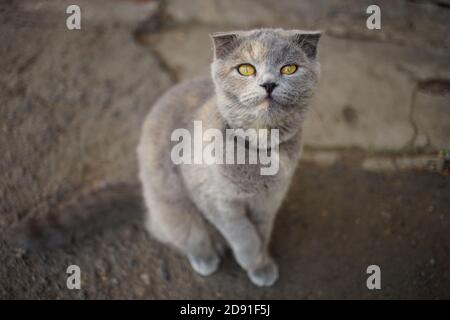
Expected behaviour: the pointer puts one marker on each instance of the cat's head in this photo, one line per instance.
(264, 78)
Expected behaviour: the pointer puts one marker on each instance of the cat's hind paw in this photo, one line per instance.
(265, 275)
(205, 266)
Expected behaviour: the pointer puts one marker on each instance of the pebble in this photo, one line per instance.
(145, 278)
(164, 271)
(386, 215)
(19, 253)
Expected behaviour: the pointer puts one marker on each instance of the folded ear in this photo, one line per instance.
(224, 43)
(308, 41)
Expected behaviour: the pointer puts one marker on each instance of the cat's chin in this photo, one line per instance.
(267, 102)
(264, 104)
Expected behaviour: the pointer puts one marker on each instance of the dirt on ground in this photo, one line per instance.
(335, 222)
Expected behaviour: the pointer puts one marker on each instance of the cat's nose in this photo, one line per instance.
(269, 86)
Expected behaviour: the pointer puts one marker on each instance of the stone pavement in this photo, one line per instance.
(385, 91)
(372, 186)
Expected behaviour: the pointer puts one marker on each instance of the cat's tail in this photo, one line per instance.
(85, 214)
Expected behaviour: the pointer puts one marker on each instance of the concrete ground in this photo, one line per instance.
(372, 188)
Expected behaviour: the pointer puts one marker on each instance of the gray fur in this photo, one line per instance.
(196, 207)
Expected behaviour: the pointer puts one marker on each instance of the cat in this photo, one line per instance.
(260, 79)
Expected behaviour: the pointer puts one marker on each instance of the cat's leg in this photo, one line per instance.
(263, 211)
(250, 252)
(179, 223)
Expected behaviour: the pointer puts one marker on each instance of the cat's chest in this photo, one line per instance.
(250, 179)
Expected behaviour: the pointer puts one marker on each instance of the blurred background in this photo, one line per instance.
(372, 188)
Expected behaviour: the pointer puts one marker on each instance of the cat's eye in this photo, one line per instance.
(289, 69)
(246, 69)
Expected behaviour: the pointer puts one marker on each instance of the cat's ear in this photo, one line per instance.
(308, 41)
(224, 43)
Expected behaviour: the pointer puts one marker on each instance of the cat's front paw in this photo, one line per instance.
(205, 266)
(265, 275)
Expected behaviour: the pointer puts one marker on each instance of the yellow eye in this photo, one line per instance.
(289, 69)
(246, 69)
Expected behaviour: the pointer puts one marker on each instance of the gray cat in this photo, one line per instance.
(261, 79)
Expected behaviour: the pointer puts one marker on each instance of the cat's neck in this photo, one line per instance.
(285, 135)
(211, 117)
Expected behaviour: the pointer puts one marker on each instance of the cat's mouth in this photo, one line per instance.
(271, 100)
(267, 102)
(266, 98)
(263, 100)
